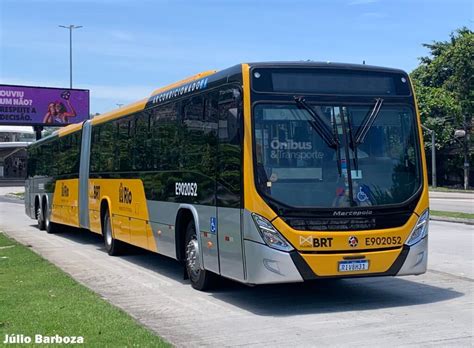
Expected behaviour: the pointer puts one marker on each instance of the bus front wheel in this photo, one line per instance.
(200, 279)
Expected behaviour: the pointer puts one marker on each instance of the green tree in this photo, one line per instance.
(439, 111)
(444, 84)
(445, 92)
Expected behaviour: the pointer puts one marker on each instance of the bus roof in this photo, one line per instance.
(139, 105)
(315, 64)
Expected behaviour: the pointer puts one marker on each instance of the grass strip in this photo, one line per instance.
(36, 297)
(448, 189)
(452, 214)
(18, 194)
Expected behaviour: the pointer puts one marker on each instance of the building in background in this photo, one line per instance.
(13, 143)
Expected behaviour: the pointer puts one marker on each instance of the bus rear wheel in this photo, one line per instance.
(39, 217)
(49, 226)
(112, 246)
(200, 279)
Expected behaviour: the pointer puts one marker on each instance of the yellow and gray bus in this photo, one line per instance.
(261, 173)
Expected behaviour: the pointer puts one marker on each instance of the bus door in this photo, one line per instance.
(229, 182)
(84, 176)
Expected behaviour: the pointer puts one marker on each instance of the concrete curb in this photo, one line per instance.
(451, 219)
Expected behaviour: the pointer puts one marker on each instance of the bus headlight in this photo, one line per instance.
(420, 230)
(270, 235)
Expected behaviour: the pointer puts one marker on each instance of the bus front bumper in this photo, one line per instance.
(265, 265)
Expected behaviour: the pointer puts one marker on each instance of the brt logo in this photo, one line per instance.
(64, 190)
(125, 194)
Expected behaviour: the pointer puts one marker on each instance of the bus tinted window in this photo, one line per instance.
(330, 81)
(163, 132)
(123, 145)
(140, 151)
(230, 152)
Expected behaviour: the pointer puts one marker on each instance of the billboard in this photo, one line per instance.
(26, 105)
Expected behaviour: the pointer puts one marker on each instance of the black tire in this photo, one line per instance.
(200, 279)
(49, 226)
(112, 246)
(39, 217)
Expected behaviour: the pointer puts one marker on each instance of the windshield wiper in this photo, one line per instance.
(368, 122)
(338, 150)
(353, 144)
(318, 123)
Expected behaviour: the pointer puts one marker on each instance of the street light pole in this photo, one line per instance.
(464, 133)
(466, 154)
(433, 155)
(70, 27)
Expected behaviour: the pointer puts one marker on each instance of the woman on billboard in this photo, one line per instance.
(57, 111)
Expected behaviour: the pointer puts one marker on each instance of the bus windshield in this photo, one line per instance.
(297, 167)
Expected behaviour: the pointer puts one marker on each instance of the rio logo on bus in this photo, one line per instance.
(64, 190)
(125, 194)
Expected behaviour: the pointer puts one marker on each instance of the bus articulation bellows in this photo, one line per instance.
(261, 173)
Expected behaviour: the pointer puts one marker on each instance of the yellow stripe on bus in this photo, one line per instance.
(65, 206)
(128, 209)
(184, 81)
(69, 129)
(120, 112)
(252, 200)
(423, 203)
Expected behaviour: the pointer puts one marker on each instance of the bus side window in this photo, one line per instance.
(95, 150)
(106, 147)
(164, 138)
(123, 145)
(193, 140)
(210, 131)
(230, 151)
(140, 154)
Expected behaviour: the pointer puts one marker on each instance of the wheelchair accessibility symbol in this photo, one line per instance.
(361, 195)
(213, 225)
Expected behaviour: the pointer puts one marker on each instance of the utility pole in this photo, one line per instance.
(466, 153)
(464, 133)
(433, 155)
(70, 27)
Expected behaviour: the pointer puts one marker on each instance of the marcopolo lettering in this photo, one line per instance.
(186, 189)
(352, 213)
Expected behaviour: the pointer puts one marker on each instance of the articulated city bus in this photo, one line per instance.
(261, 173)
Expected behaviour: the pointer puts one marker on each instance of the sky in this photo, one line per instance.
(126, 48)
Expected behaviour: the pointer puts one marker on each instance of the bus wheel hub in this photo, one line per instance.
(192, 257)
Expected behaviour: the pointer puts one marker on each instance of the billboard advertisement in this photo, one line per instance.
(25, 105)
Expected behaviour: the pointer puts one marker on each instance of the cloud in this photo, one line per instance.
(121, 35)
(374, 15)
(103, 97)
(119, 93)
(362, 2)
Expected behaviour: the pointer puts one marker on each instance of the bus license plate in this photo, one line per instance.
(353, 266)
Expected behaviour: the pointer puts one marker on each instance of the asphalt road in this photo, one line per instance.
(434, 309)
(452, 201)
